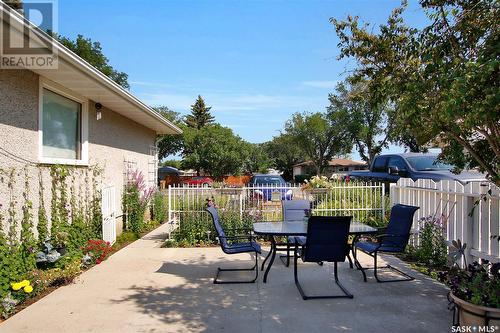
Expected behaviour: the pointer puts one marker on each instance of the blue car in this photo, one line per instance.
(265, 185)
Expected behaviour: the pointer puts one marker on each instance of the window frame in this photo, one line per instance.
(385, 158)
(402, 160)
(84, 119)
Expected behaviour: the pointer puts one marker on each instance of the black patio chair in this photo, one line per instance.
(393, 240)
(326, 241)
(233, 245)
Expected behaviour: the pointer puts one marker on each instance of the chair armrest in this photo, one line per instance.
(389, 235)
(382, 230)
(247, 237)
(386, 238)
(244, 230)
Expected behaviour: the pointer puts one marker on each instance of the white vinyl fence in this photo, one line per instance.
(364, 201)
(108, 214)
(472, 211)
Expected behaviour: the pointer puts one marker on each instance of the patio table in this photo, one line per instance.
(299, 228)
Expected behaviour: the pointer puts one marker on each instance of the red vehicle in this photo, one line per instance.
(198, 181)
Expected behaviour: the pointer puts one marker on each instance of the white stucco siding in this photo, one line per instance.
(114, 139)
(111, 140)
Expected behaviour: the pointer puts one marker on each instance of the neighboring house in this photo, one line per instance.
(336, 167)
(76, 116)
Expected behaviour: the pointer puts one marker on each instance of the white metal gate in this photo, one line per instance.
(108, 214)
(364, 201)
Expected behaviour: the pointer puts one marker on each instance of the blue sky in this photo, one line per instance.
(254, 62)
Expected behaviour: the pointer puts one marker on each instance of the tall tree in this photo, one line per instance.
(318, 137)
(92, 53)
(200, 114)
(444, 78)
(14, 4)
(256, 158)
(367, 121)
(284, 154)
(214, 149)
(169, 144)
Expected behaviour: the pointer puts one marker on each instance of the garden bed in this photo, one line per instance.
(123, 240)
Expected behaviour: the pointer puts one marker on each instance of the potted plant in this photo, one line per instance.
(474, 291)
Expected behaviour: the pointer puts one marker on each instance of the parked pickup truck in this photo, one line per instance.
(389, 168)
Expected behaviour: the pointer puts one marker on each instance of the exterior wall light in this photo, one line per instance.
(98, 111)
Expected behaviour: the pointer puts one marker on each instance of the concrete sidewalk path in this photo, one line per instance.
(146, 288)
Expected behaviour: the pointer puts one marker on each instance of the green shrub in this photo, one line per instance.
(135, 209)
(159, 207)
(196, 228)
(350, 200)
(126, 237)
(432, 248)
(302, 178)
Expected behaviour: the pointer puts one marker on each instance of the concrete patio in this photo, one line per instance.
(145, 288)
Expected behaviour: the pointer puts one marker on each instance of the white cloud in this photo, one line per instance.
(229, 103)
(320, 84)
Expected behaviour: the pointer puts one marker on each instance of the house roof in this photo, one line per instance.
(79, 76)
(335, 162)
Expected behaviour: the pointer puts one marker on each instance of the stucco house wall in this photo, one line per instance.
(112, 141)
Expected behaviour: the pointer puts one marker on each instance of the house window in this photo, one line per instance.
(62, 127)
(62, 119)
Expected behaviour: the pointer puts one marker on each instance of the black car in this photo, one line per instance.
(389, 168)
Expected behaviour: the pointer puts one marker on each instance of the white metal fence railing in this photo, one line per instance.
(108, 214)
(365, 201)
(472, 211)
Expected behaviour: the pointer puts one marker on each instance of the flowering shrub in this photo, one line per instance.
(479, 284)
(432, 250)
(135, 200)
(145, 192)
(317, 182)
(55, 277)
(98, 250)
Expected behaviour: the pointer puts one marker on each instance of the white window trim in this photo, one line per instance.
(84, 157)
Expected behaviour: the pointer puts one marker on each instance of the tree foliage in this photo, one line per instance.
(367, 122)
(284, 153)
(92, 53)
(214, 149)
(14, 4)
(200, 114)
(443, 78)
(255, 158)
(170, 144)
(319, 137)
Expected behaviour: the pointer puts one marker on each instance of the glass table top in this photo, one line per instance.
(299, 228)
